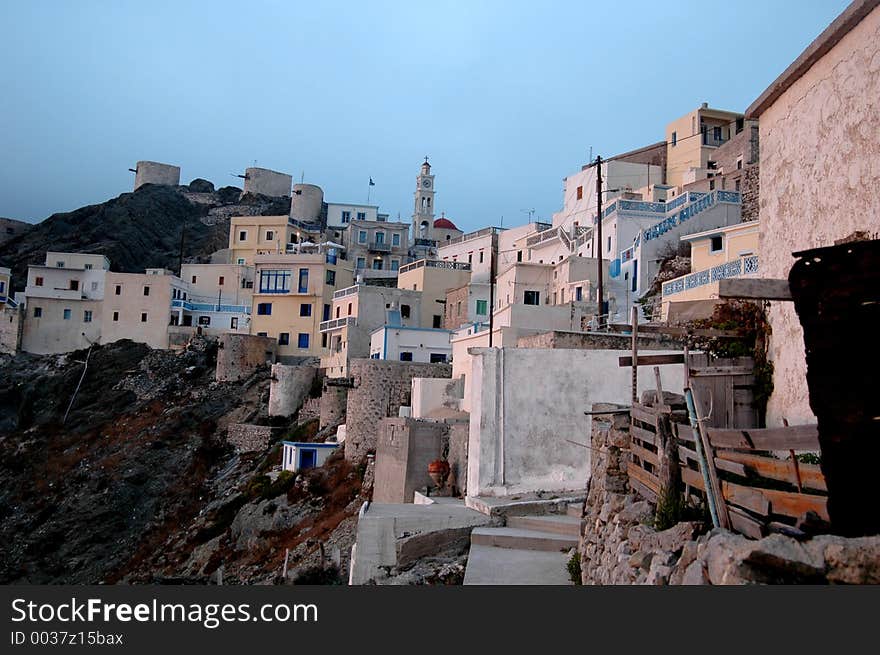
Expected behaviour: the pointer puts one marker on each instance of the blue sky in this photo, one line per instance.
(506, 97)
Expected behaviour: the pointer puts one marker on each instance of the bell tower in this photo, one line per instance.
(423, 214)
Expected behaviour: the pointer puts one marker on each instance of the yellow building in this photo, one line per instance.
(292, 295)
(433, 278)
(715, 255)
(250, 236)
(5, 280)
(692, 140)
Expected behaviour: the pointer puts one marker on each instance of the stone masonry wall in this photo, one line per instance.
(239, 355)
(10, 330)
(619, 546)
(593, 341)
(333, 402)
(380, 388)
(248, 438)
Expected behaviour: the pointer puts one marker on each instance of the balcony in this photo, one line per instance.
(435, 263)
(347, 291)
(425, 243)
(336, 323)
(736, 268)
(211, 307)
(376, 246)
(475, 235)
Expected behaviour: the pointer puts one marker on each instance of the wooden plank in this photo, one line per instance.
(797, 437)
(754, 288)
(776, 469)
(730, 467)
(641, 475)
(746, 497)
(652, 360)
(707, 460)
(686, 454)
(644, 435)
(643, 491)
(643, 414)
(707, 371)
(692, 478)
(793, 504)
(644, 454)
(745, 524)
(634, 360)
(683, 432)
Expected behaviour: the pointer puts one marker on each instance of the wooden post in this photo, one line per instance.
(660, 401)
(707, 462)
(635, 354)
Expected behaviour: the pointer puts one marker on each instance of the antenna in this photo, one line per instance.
(530, 212)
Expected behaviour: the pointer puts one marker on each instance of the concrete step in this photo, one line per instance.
(558, 524)
(574, 509)
(510, 566)
(523, 504)
(522, 539)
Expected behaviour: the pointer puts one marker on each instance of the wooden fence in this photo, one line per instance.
(761, 480)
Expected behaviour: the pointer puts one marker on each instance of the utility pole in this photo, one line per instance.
(491, 286)
(598, 252)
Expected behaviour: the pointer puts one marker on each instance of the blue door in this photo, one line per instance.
(307, 459)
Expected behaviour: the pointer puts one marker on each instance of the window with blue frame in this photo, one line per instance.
(264, 309)
(362, 216)
(395, 239)
(406, 357)
(579, 293)
(362, 236)
(272, 281)
(303, 340)
(305, 309)
(303, 280)
(66, 314)
(284, 339)
(346, 217)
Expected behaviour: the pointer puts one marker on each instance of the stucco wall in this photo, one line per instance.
(151, 172)
(528, 407)
(404, 449)
(289, 387)
(820, 162)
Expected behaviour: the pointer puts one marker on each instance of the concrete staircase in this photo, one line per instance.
(530, 549)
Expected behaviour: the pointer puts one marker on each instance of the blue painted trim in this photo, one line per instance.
(301, 444)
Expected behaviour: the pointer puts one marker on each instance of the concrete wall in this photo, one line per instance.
(527, 404)
(820, 162)
(380, 388)
(420, 343)
(430, 395)
(404, 449)
(10, 329)
(289, 387)
(267, 182)
(130, 306)
(151, 172)
(239, 355)
(51, 333)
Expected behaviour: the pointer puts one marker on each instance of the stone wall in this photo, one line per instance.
(10, 330)
(618, 544)
(820, 160)
(248, 438)
(334, 399)
(454, 319)
(151, 172)
(267, 182)
(290, 386)
(751, 193)
(404, 449)
(240, 355)
(594, 341)
(380, 388)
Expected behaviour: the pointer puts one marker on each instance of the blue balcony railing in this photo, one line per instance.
(736, 268)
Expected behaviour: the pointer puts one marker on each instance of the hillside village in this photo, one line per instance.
(635, 391)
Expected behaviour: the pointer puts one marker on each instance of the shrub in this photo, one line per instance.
(574, 567)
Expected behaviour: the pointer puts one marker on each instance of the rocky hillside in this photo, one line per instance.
(141, 229)
(139, 484)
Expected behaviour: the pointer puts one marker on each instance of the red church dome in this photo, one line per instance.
(444, 224)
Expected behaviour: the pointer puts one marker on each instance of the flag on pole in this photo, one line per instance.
(371, 182)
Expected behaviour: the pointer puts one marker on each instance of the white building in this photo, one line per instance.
(411, 344)
(340, 214)
(298, 455)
